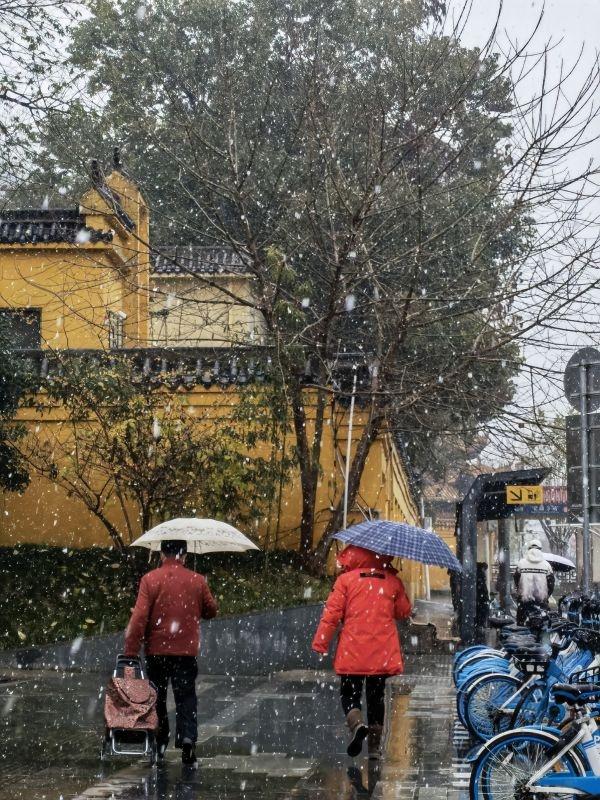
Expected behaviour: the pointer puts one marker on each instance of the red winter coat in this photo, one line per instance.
(170, 604)
(366, 599)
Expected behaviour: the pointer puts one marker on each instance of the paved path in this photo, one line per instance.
(281, 738)
(278, 738)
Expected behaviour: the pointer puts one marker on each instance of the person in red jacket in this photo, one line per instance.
(166, 620)
(366, 600)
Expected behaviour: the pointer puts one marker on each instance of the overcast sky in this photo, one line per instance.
(569, 25)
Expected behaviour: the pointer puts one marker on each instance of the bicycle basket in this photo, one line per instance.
(532, 666)
(590, 675)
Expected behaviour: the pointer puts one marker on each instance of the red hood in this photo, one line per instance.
(353, 557)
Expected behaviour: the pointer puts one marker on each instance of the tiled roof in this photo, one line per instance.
(184, 367)
(33, 226)
(183, 260)
(445, 492)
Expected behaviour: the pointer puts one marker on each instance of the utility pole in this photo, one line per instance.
(581, 383)
(349, 449)
(585, 478)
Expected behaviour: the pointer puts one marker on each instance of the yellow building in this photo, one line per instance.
(85, 279)
(78, 278)
(203, 297)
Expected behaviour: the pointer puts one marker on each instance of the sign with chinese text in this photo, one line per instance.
(524, 495)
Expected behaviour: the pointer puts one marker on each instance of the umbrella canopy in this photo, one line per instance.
(201, 535)
(559, 563)
(402, 540)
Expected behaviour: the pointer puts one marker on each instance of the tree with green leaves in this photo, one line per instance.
(136, 455)
(381, 181)
(35, 79)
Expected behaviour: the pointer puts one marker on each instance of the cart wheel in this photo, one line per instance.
(105, 748)
(153, 753)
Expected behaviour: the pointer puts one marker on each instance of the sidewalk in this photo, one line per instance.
(425, 743)
(280, 737)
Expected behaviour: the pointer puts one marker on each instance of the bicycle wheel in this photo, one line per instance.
(508, 761)
(463, 689)
(485, 707)
(475, 659)
(485, 667)
(465, 655)
(532, 706)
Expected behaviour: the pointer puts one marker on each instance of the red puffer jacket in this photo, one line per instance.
(366, 599)
(170, 604)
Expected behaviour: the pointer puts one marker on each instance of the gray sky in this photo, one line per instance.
(569, 25)
(573, 21)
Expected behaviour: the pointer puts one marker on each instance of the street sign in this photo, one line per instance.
(528, 495)
(590, 358)
(542, 510)
(554, 504)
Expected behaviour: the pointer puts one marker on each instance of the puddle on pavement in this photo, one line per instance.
(401, 749)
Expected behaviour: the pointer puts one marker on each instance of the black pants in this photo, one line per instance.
(351, 692)
(182, 672)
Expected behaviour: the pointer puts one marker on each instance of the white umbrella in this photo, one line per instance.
(201, 535)
(560, 562)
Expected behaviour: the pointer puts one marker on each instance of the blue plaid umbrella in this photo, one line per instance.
(401, 540)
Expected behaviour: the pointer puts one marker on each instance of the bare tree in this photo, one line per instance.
(135, 454)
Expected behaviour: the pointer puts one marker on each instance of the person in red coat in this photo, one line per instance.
(366, 600)
(166, 619)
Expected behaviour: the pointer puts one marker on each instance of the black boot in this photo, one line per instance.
(188, 753)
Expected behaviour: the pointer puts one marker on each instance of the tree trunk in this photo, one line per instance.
(114, 534)
(309, 457)
(369, 434)
(307, 523)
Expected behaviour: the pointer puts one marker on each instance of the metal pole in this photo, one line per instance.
(468, 534)
(585, 485)
(349, 450)
(426, 575)
(504, 553)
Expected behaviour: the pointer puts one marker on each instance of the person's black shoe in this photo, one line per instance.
(188, 753)
(355, 778)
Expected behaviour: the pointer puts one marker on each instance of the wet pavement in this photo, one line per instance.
(425, 758)
(277, 738)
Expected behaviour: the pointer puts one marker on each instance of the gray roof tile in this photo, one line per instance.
(192, 259)
(34, 226)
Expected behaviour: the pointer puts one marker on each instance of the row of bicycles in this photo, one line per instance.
(533, 706)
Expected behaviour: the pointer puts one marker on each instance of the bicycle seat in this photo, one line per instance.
(536, 651)
(500, 622)
(510, 645)
(572, 693)
(519, 629)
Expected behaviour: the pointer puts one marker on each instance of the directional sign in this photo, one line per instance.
(528, 495)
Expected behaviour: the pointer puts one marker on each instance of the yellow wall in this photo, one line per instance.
(45, 514)
(76, 284)
(199, 314)
(438, 577)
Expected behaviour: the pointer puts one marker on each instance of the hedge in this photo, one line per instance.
(51, 594)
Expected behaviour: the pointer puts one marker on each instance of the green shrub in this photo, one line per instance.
(53, 594)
